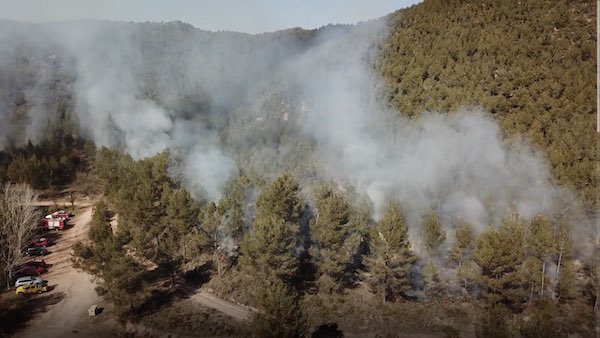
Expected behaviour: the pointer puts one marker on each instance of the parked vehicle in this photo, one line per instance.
(41, 242)
(29, 280)
(53, 224)
(29, 289)
(35, 251)
(29, 269)
(38, 262)
(60, 214)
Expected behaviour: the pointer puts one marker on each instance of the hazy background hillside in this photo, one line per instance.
(443, 155)
(529, 65)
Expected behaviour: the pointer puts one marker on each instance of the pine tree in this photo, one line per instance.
(500, 254)
(268, 249)
(541, 242)
(179, 223)
(330, 228)
(564, 245)
(278, 315)
(493, 323)
(568, 287)
(433, 234)
(431, 280)
(463, 243)
(390, 260)
(543, 321)
(468, 275)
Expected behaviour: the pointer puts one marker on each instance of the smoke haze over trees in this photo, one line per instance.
(411, 154)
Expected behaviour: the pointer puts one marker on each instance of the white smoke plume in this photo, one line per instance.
(150, 87)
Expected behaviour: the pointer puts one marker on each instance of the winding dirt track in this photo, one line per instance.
(209, 300)
(69, 317)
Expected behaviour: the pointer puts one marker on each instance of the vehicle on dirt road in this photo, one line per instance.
(28, 270)
(35, 251)
(38, 262)
(30, 280)
(53, 224)
(60, 214)
(29, 289)
(41, 242)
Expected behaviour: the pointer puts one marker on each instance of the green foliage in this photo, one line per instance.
(433, 234)
(431, 279)
(468, 274)
(267, 251)
(52, 162)
(541, 238)
(568, 287)
(391, 259)
(232, 206)
(526, 64)
(120, 275)
(331, 232)
(464, 241)
(543, 321)
(158, 216)
(493, 323)
(500, 254)
(279, 315)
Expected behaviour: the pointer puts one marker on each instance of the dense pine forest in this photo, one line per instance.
(430, 172)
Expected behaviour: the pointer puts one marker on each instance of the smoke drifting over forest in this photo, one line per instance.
(225, 101)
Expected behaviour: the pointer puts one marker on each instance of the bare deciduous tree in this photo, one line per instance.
(18, 221)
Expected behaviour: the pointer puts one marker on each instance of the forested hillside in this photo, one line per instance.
(531, 64)
(430, 172)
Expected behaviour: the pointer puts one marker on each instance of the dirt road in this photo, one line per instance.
(69, 317)
(209, 300)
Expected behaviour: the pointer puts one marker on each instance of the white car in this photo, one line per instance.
(29, 280)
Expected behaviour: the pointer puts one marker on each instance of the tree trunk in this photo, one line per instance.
(560, 255)
(531, 293)
(543, 275)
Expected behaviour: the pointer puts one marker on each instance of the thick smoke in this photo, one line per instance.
(222, 102)
(456, 164)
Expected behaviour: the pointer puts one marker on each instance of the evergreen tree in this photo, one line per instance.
(543, 321)
(564, 245)
(493, 323)
(463, 243)
(568, 286)
(541, 242)
(390, 260)
(431, 280)
(330, 229)
(179, 224)
(433, 234)
(468, 275)
(500, 254)
(268, 248)
(279, 315)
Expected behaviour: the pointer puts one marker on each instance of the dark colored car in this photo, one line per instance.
(37, 262)
(41, 242)
(35, 251)
(30, 270)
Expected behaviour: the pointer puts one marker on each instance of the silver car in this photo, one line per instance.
(29, 280)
